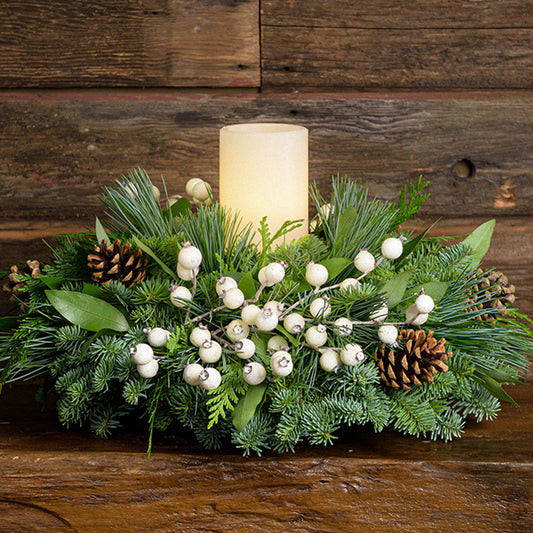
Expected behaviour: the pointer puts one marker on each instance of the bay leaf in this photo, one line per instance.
(86, 311)
(245, 409)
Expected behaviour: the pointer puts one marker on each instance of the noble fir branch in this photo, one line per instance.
(411, 414)
(319, 424)
(256, 436)
(449, 424)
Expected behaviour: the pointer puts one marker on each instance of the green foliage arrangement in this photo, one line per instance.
(189, 319)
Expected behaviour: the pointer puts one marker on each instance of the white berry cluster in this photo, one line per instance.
(199, 189)
(142, 354)
(309, 325)
(418, 312)
(189, 261)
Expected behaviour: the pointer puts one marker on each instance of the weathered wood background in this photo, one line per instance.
(388, 89)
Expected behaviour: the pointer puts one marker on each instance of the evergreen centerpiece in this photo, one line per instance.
(177, 314)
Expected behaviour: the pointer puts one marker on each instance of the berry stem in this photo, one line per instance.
(193, 292)
(208, 313)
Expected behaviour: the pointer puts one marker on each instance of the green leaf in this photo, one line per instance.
(394, 288)
(93, 290)
(247, 286)
(8, 322)
(411, 244)
(245, 409)
(435, 289)
(289, 336)
(335, 265)
(501, 377)
(479, 242)
(101, 233)
(51, 281)
(180, 208)
(86, 311)
(260, 345)
(494, 387)
(151, 253)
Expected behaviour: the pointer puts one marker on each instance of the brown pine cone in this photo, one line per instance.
(417, 358)
(117, 261)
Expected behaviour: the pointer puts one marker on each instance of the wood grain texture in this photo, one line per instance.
(57, 150)
(377, 483)
(418, 58)
(127, 43)
(404, 14)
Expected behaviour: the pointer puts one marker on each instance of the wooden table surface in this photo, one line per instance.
(58, 481)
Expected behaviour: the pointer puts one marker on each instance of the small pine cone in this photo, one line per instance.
(417, 358)
(14, 283)
(496, 294)
(117, 261)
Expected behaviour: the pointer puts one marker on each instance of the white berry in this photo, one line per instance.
(424, 303)
(186, 274)
(391, 248)
(201, 191)
(413, 316)
(233, 298)
(330, 360)
(210, 378)
(245, 348)
(178, 294)
(254, 373)
(156, 193)
(262, 277)
(281, 363)
(316, 274)
(199, 335)
(189, 186)
(148, 370)
(294, 323)
(249, 313)
(237, 330)
(191, 373)
(352, 354)
(379, 314)
(158, 337)
(320, 308)
(316, 336)
(141, 353)
(343, 326)
(224, 284)
(275, 307)
(364, 261)
(189, 256)
(274, 273)
(388, 334)
(210, 351)
(266, 320)
(349, 284)
(276, 343)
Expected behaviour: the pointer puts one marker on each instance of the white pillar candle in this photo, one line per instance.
(264, 172)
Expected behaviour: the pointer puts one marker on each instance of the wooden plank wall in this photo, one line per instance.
(388, 89)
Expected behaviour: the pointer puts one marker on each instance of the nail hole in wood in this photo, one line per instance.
(464, 168)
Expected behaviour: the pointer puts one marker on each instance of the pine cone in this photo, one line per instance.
(117, 261)
(497, 292)
(14, 283)
(418, 357)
